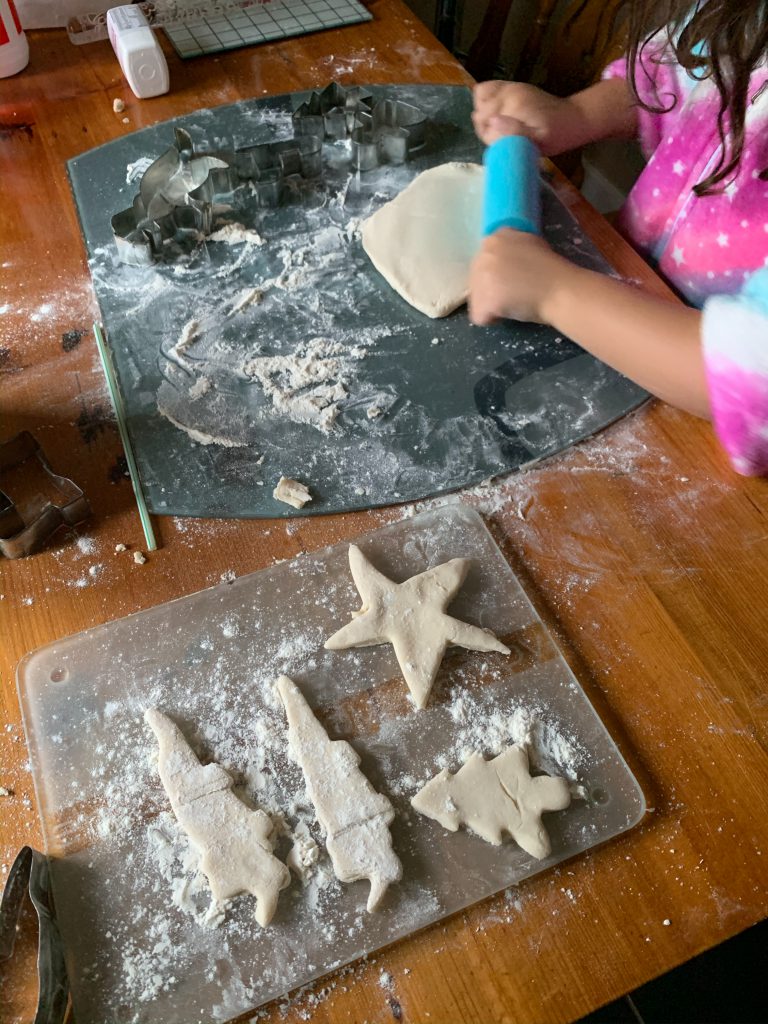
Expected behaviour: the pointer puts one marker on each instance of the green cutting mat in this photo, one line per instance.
(262, 23)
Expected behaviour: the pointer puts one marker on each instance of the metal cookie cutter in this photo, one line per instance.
(391, 132)
(17, 537)
(177, 192)
(333, 113)
(29, 876)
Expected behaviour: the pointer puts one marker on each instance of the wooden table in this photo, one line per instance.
(641, 548)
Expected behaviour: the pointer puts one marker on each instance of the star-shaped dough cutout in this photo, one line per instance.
(411, 616)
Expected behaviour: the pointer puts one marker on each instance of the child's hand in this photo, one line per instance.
(513, 108)
(513, 276)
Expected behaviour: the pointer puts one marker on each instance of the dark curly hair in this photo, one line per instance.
(724, 40)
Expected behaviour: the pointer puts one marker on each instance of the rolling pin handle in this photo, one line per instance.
(512, 186)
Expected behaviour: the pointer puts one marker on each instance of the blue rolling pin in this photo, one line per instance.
(512, 187)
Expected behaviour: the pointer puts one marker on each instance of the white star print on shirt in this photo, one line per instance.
(678, 255)
(678, 167)
(722, 240)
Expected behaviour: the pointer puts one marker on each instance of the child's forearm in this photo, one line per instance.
(606, 110)
(654, 342)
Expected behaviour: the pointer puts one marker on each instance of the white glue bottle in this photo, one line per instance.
(139, 53)
(14, 48)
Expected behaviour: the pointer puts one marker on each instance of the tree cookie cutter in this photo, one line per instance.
(17, 537)
(29, 877)
(177, 192)
(333, 113)
(380, 131)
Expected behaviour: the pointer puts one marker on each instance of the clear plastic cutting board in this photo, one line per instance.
(134, 915)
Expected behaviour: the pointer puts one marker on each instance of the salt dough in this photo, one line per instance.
(411, 616)
(355, 817)
(233, 841)
(491, 797)
(303, 855)
(291, 492)
(423, 241)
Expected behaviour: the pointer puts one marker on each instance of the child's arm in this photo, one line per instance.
(654, 342)
(605, 110)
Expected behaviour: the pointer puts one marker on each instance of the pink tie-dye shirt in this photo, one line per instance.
(712, 249)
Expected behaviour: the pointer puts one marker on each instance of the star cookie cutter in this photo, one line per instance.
(392, 131)
(177, 192)
(24, 531)
(333, 113)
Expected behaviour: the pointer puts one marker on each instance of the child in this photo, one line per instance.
(695, 87)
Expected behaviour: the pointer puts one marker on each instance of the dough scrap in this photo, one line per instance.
(308, 384)
(233, 841)
(424, 240)
(291, 492)
(491, 797)
(355, 817)
(303, 855)
(411, 616)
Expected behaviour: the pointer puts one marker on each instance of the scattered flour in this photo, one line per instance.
(135, 170)
(235, 234)
(201, 387)
(308, 385)
(488, 729)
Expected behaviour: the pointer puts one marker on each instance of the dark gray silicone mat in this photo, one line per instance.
(453, 404)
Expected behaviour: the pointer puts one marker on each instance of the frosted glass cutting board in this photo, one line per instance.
(132, 910)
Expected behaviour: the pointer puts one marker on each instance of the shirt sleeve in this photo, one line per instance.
(617, 69)
(735, 345)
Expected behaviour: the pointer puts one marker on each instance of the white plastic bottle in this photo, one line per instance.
(14, 48)
(139, 53)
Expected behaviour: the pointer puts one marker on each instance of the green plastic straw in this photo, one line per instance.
(133, 469)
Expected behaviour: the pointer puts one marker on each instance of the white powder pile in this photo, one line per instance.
(135, 170)
(307, 385)
(488, 729)
(488, 723)
(236, 234)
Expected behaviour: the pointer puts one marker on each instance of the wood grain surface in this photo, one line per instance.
(644, 552)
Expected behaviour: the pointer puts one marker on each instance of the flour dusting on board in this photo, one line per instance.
(158, 944)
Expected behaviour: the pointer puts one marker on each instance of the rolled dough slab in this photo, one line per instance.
(423, 241)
